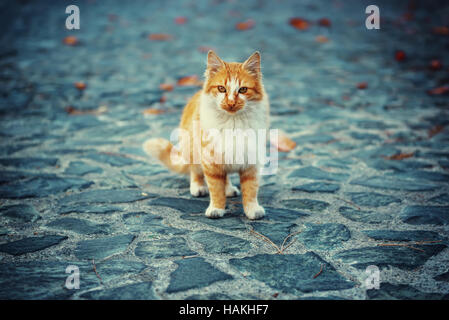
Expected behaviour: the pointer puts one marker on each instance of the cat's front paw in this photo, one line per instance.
(214, 213)
(232, 191)
(197, 190)
(254, 212)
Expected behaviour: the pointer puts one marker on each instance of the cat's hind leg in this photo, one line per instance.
(198, 187)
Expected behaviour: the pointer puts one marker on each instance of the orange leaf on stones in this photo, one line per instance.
(399, 55)
(443, 30)
(362, 85)
(435, 130)
(324, 22)
(71, 110)
(153, 111)
(435, 65)
(400, 156)
(70, 40)
(284, 143)
(166, 86)
(192, 80)
(321, 39)
(439, 90)
(160, 36)
(180, 20)
(299, 23)
(80, 85)
(74, 111)
(248, 24)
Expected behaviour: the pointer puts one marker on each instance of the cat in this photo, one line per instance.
(232, 97)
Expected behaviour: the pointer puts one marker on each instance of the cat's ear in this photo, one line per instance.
(214, 63)
(252, 64)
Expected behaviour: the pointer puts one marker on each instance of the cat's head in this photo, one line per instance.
(232, 85)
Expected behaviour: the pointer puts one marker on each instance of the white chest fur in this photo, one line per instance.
(252, 121)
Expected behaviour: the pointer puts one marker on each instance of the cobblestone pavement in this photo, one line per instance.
(366, 185)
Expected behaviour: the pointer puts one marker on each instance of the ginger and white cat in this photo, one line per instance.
(232, 97)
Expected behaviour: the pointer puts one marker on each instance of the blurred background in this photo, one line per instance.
(124, 52)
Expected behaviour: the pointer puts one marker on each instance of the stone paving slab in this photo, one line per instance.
(366, 185)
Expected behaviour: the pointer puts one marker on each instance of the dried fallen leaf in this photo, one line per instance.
(192, 80)
(435, 130)
(439, 90)
(362, 85)
(73, 111)
(162, 99)
(399, 55)
(284, 143)
(443, 30)
(435, 65)
(321, 39)
(166, 86)
(180, 20)
(324, 22)
(70, 40)
(80, 85)
(248, 24)
(160, 37)
(400, 156)
(153, 111)
(299, 23)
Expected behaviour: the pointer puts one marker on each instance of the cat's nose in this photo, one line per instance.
(231, 106)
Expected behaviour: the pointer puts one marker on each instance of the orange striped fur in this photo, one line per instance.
(222, 103)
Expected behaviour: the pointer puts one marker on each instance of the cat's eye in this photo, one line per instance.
(221, 89)
(243, 90)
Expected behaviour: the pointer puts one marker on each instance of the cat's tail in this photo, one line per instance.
(162, 149)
